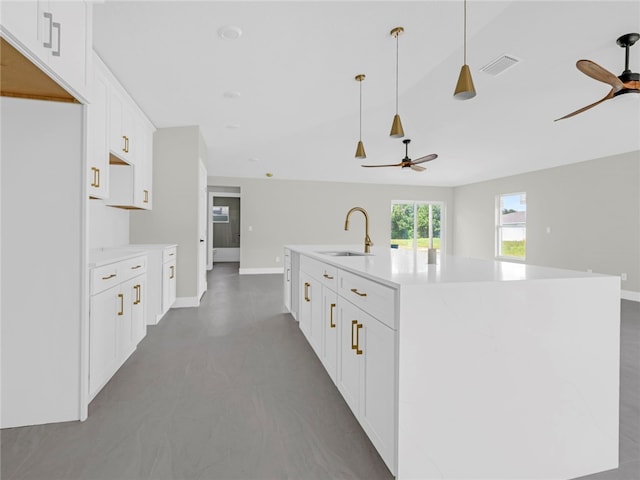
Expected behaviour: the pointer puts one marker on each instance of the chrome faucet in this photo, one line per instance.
(367, 240)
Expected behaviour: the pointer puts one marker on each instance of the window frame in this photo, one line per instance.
(499, 229)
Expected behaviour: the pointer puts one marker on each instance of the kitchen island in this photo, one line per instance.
(467, 368)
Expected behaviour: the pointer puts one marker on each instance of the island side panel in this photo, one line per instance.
(502, 380)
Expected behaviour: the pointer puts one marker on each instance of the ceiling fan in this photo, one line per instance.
(406, 161)
(627, 82)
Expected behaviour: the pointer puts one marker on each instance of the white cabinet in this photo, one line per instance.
(161, 279)
(116, 316)
(287, 279)
(97, 131)
(121, 127)
(311, 310)
(350, 321)
(169, 282)
(55, 35)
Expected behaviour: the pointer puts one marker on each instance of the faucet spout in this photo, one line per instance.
(367, 240)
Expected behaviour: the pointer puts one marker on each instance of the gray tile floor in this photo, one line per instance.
(232, 390)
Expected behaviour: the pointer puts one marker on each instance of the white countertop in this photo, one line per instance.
(104, 256)
(396, 267)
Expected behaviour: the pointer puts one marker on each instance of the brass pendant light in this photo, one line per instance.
(396, 127)
(360, 149)
(464, 88)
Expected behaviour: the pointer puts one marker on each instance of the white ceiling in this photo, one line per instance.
(294, 67)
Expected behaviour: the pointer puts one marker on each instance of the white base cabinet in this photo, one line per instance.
(355, 343)
(117, 321)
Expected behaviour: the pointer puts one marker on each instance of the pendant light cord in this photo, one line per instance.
(360, 110)
(465, 32)
(397, 62)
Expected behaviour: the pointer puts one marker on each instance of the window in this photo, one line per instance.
(220, 214)
(511, 226)
(416, 225)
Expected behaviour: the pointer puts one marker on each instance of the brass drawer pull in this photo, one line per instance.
(329, 277)
(109, 276)
(138, 295)
(355, 290)
(306, 292)
(173, 271)
(358, 351)
(331, 324)
(136, 267)
(353, 324)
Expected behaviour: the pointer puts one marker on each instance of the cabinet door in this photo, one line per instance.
(103, 338)
(287, 279)
(138, 309)
(311, 304)
(98, 158)
(117, 138)
(168, 285)
(377, 391)
(68, 32)
(146, 168)
(123, 321)
(329, 354)
(20, 19)
(349, 362)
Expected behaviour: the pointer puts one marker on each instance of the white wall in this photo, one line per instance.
(592, 207)
(108, 226)
(282, 212)
(174, 217)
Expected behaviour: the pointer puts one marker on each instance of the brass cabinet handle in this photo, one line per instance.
(331, 324)
(121, 297)
(171, 254)
(136, 267)
(96, 177)
(358, 351)
(353, 324)
(138, 295)
(109, 276)
(146, 196)
(327, 276)
(50, 17)
(306, 292)
(125, 149)
(172, 269)
(355, 290)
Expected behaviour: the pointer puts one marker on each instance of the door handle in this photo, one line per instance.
(56, 52)
(331, 324)
(306, 292)
(358, 351)
(50, 17)
(121, 297)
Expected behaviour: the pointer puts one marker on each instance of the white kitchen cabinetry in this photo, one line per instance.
(161, 279)
(97, 132)
(122, 138)
(54, 35)
(169, 280)
(349, 321)
(116, 315)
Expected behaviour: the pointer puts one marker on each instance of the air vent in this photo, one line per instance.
(500, 64)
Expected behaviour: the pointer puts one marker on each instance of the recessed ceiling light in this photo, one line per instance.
(232, 126)
(231, 94)
(229, 32)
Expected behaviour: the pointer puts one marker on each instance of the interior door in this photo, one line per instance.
(226, 229)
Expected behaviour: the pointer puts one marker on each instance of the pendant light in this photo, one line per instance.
(396, 127)
(360, 149)
(464, 88)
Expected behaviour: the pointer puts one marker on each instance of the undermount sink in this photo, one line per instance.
(345, 253)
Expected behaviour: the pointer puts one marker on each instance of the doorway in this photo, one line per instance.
(224, 226)
(417, 226)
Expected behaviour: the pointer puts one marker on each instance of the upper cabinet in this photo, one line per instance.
(120, 159)
(56, 37)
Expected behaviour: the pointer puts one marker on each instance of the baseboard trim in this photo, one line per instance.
(260, 271)
(186, 302)
(629, 295)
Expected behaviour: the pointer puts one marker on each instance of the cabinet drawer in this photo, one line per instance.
(377, 300)
(105, 277)
(133, 267)
(169, 254)
(326, 274)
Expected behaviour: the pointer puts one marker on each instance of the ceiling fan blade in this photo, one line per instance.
(417, 168)
(426, 158)
(609, 95)
(595, 71)
(391, 165)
